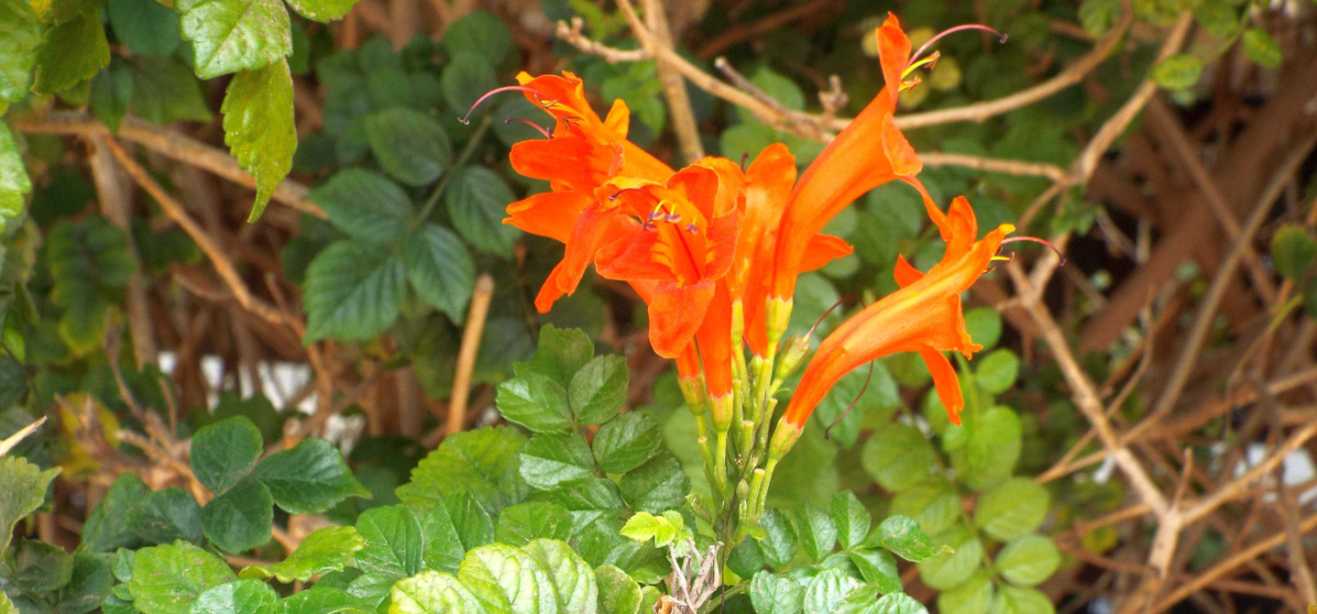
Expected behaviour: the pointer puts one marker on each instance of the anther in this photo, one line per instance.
(692, 228)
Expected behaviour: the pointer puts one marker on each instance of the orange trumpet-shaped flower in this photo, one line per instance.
(869, 152)
(923, 316)
(580, 155)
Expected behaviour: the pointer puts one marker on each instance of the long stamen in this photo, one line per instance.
(1001, 38)
(1052, 246)
(466, 119)
(819, 321)
(827, 433)
(529, 124)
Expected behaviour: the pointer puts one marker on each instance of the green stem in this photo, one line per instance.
(472, 144)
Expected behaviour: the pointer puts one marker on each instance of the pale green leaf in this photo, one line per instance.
(259, 129)
(228, 36)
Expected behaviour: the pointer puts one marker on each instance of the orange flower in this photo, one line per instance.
(871, 151)
(580, 155)
(923, 316)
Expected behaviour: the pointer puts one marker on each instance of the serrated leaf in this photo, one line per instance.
(21, 31)
(992, 449)
(933, 504)
(561, 352)
(164, 90)
(38, 567)
(971, 596)
(618, 592)
(997, 371)
(825, 592)
(14, 182)
(326, 549)
(476, 198)
(240, 519)
(74, 51)
(1293, 251)
(898, 457)
(430, 592)
(240, 597)
(228, 36)
(1178, 72)
(225, 451)
(409, 145)
(627, 442)
(111, 93)
(658, 485)
(442, 535)
(321, 599)
(598, 390)
(353, 292)
(482, 463)
(166, 515)
(817, 532)
(902, 536)
(481, 32)
(1029, 560)
(323, 11)
(144, 26)
(779, 540)
(550, 459)
(440, 269)
(851, 519)
(259, 129)
(505, 579)
(960, 558)
(663, 528)
(521, 523)
(109, 525)
(22, 490)
(1262, 48)
(776, 594)
(365, 205)
(1015, 600)
(467, 75)
(536, 402)
(310, 478)
(393, 542)
(168, 579)
(572, 579)
(587, 494)
(1014, 508)
(89, 586)
(877, 568)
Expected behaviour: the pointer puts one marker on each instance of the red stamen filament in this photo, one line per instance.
(1001, 38)
(529, 124)
(466, 119)
(1056, 250)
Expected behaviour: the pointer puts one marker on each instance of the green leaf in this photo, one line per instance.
(551, 459)
(112, 92)
(519, 524)
(1178, 72)
(825, 592)
(618, 592)
(168, 579)
(961, 556)
(259, 129)
(536, 402)
(776, 594)
(898, 456)
(664, 529)
(480, 32)
(323, 11)
(22, 490)
(1014, 600)
(353, 292)
(1029, 560)
(561, 353)
(897, 603)
(970, 597)
(877, 568)
(144, 26)
(224, 452)
(467, 76)
(393, 542)
(658, 485)
(14, 182)
(779, 541)
(240, 519)
(430, 592)
(38, 567)
(902, 535)
(572, 579)
(410, 146)
(21, 31)
(933, 504)
(984, 325)
(442, 535)
(310, 478)
(1097, 15)
(439, 269)
(817, 532)
(108, 527)
(627, 442)
(365, 205)
(505, 579)
(166, 515)
(588, 494)
(321, 599)
(228, 36)
(997, 371)
(993, 448)
(164, 91)
(1293, 251)
(326, 549)
(851, 519)
(476, 198)
(482, 463)
(1014, 508)
(1260, 47)
(598, 390)
(240, 597)
(74, 52)
(89, 586)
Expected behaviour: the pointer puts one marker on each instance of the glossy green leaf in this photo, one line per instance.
(776, 594)
(482, 463)
(353, 292)
(1029, 560)
(898, 456)
(321, 599)
(505, 579)
(168, 579)
(225, 451)
(960, 557)
(826, 591)
(22, 490)
(393, 542)
(14, 182)
(410, 146)
(430, 592)
(561, 352)
(167, 515)
(109, 525)
(817, 532)
(1014, 508)
(240, 518)
(439, 269)
(144, 26)
(365, 205)
(627, 442)
(536, 402)
(21, 31)
(310, 478)
(228, 36)
(326, 549)
(239, 597)
(877, 568)
(74, 52)
(476, 198)
(902, 535)
(779, 541)
(572, 578)
(851, 519)
(323, 11)
(657, 485)
(550, 459)
(38, 567)
(521, 523)
(598, 390)
(259, 129)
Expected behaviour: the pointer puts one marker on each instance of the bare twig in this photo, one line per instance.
(654, 34)
(13, 440)
(466, 354)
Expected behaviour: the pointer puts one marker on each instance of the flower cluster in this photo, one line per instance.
(714, 250)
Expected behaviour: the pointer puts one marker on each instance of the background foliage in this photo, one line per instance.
(291, 407)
